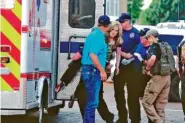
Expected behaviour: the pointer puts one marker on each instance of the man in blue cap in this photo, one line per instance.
(93, 66)
(131, 39)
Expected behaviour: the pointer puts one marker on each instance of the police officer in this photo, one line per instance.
(156, 92)
(131, 39)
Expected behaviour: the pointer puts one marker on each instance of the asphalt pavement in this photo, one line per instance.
(173, 111)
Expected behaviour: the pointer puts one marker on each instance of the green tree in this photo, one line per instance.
(158, 11)
(134, 8)
(142, 19)
(178, 6)
(164, 10)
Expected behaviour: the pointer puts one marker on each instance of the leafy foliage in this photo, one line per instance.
(134, 8)
(164, 10)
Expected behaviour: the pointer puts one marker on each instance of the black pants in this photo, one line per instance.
(102, 108)
(71, 71)
(81, 94)
(127, 77)
(142, 80)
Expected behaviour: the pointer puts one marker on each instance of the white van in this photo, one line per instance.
(179, 24)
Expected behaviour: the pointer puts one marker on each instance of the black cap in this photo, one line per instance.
(104, 20)
(143, 31)
(124, 17)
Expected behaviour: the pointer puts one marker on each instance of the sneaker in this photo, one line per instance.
(109, 80)
(60, 86)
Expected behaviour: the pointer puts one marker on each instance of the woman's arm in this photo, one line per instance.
(126, 55)
(118, 56)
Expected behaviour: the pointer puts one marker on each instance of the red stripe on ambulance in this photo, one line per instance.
(15, 52)
(25, 29)
(11, 80)
(12, 19)
(35, 76)
(20, 1)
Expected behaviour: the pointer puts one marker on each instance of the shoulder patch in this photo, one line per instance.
(132, 35)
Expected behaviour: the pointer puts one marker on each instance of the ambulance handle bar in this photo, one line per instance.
(69, 44)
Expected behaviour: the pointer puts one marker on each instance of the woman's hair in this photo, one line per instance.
(118, 39)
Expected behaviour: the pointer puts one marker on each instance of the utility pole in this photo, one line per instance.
(178, 10)
(105, 7)
(130, 2)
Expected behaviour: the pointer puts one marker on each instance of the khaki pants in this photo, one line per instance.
(156, 97)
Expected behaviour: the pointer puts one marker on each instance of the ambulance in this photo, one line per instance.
(38, 38)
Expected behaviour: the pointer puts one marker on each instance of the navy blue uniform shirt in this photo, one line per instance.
(131, 39)
(143, 52)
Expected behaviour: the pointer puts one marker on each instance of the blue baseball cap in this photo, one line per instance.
(124, 17)
(104, 20)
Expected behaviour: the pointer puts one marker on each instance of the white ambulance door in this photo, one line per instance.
(77, 18)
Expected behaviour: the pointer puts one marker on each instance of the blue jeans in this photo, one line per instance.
(92, 82)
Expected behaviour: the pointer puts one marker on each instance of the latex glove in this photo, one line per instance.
(138, 56)
(127, 61)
